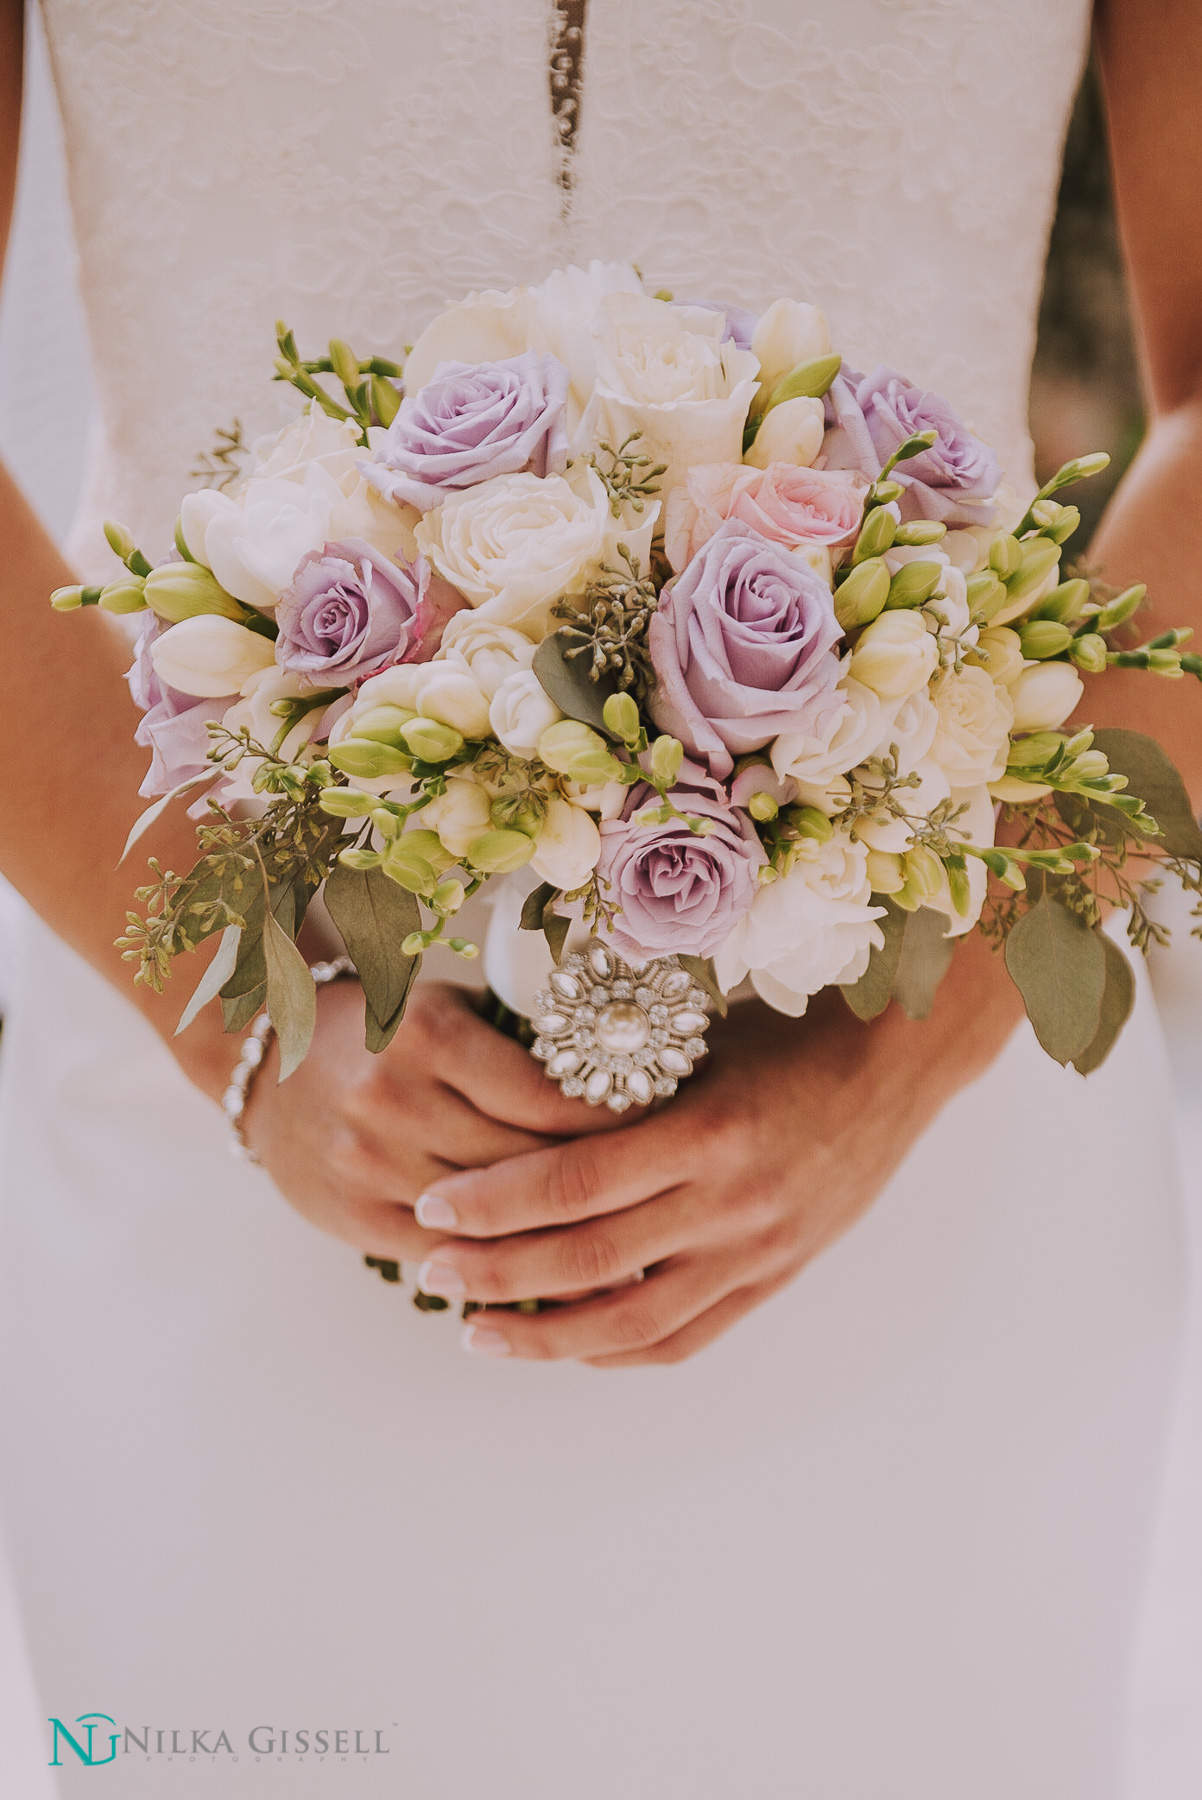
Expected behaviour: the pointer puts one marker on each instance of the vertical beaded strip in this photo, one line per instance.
(567, 68)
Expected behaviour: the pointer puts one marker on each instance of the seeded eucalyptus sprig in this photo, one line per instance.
(631, 477)
(368, 385)
(608, 625)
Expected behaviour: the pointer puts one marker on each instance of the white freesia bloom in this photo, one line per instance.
(665, 372)
(791, 433)
(314, 438)
(814, 927)
(445, 691)
(520, 711)
(896, 655)
(514, 544)
(253, 542)
(972, 738)
(1044, 696)
(999, 652)
(568, 845)
(606, 798)
(789, 333)
(253, 710)
(849, 734)
(911, 731)
(976, 826)
(486, 327)
(968, 547)
(490, 653)
(459, 816)
(210, 656)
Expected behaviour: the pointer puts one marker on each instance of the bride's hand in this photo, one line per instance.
(351, 1139)
(770, 1152)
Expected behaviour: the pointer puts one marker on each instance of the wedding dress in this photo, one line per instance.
(885, 1539)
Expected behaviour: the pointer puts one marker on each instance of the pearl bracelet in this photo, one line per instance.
(236, 1098)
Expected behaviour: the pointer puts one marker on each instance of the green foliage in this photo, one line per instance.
(607, 628)
(1056, 960)
(1118, 997)
(374, 917)
(629, 477)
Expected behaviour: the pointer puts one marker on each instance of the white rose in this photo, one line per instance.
(976, 826)
(851, 732)
(254, 542)
(313, 438)
(490, 653)
(807, 931)
(514, 544)
(789, 333)
(1043, 696)
(896, 655)
(520, 711)
(791, 433)
(459, 816)
(999, 652)
(392, 687)
(664, 371)
(210, 656)
(972, 738)
(568, 845)
(911, 731)
(565, 305)
(487, 327)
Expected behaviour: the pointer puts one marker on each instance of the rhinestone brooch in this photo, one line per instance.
(613, 1035)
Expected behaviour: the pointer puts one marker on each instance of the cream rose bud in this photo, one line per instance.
(520, 711)
(459, 816)
(568, 845)
(791, 433)
(972, 738)
(453, 697)
(999, 652)
(1043, 696)
(514, 544)
(490, 653)
(789, 333)
(896, 655)
(210, 656)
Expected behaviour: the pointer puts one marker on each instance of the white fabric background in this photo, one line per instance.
(45, 390)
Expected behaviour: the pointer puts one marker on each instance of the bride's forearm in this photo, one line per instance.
(71, 789)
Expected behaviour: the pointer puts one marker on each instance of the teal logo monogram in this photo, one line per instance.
(89, 1756)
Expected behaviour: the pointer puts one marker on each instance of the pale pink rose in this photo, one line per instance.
(784, 503)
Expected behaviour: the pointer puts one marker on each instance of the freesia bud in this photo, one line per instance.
(1040, 558)
(501, 852)
(667, 755)
(179, 591)
(986, 594)
(1034, 752)
(209, 655)
(791, 432)
(1043, 638)
(367, 761)
(809, 822)
(1089, 653)
(1065, 603)
(120, 541)
(924, 871)
(68, 599)
(621, 716)
(346, 803)
(763, 807)
(876, 536)
(128, 596)
(346, 364)
(861, 598)
(999, 652)
(383, 724)
(1044, 696)
(1005, 555)
(920, 532)
(448, 896)
(576, 750)
(1119, 610)
(913, 583)
(789, 338)
(407, 868)
(885, 872)
(430, 741)
(385, 400)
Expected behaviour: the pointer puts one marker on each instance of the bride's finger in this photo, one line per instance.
(385, 1122)
(699, 1331)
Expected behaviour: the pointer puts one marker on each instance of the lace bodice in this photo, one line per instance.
(352, 164)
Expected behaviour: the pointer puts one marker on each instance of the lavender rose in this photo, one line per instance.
(870, 415)
(350, 612)
(678, 891)
(175, 726)
(743, 644)
(473, 421)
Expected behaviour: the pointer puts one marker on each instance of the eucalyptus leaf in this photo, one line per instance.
(1153, 778)
(1059, 966)
(237, 1014)
(375, 915)
(145, 820)
(215, 976)
(870, 995)
(291, 996)
(534, 904)
(378, 1036)
(923, 961)
(566, 680)
(701, 968)
(249, 974)
(555, 930)
(1117, 1001)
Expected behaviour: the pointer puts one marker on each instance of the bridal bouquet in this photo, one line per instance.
(732, 656)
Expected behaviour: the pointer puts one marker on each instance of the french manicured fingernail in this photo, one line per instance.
(441, 1279)
(435, 1213)
(478, 1340)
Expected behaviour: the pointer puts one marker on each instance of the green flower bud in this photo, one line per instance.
(957, 881)
(924, 871)
(1040, 557)
(808, 381)
(428, 845)
(1089, 653)
(1091, 765)
(465, 948)
(368, 761)
(1120, 609)
(884, 493)
(346, 803)
(860, 598)
(1065, 603)
(920, 532)
(407, 868)
(501, 852)
(914, 583)
(566, 741)
(986, 596)
(1041, 638)
(360, 859)
(763, 807)
(128, 596)
(809, 822)
(385, 400)
(346, 363)
(430, 741)
(386, 822)
(181, 590)
(621, 716)
(1005, 555)
(885, 872)
(120, 541)
(667, 754)
(414, 944)
(1082, 466)
(1062, 524)
(876, 535)
(383, 724)
(1034, 752)
(1164, 662)
(70, 599)
(448, 897)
